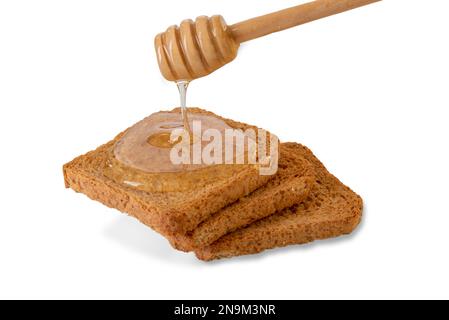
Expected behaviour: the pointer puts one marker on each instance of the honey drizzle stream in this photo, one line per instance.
(182, 88)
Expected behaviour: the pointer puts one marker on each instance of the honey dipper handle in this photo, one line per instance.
(291, 17)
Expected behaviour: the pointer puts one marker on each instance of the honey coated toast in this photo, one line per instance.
(204, 191)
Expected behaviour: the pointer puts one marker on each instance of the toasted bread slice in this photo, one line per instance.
(291, 185)
(331, 210)
(205, 191)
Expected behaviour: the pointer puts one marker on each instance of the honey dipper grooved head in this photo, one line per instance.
(195, 49)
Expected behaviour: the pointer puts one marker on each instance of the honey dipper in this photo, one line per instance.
(196, 49)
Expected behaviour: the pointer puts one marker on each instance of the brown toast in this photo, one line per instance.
(175, 212)
(331, 210)
(291, 185)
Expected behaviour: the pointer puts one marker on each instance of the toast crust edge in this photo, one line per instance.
(271, 232)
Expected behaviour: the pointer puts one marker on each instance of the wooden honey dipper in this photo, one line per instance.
(196, 49)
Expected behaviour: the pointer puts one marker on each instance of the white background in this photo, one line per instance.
(367, 91)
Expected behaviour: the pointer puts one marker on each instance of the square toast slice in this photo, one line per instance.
(331, 210)
(291, 185)
(175, 212)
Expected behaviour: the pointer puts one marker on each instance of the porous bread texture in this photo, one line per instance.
(331, 210)
(169, 212)
(323, 208)
(291, 184)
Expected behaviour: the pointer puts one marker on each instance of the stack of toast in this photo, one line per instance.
(238, 214)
